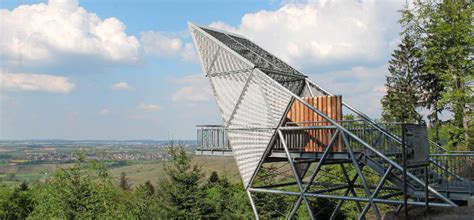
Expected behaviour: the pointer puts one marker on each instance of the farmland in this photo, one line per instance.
(140, 161)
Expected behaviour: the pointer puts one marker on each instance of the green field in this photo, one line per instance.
(138, 172)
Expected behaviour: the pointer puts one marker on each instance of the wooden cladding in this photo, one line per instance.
(314, 140)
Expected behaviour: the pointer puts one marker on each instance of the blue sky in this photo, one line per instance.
(128, 69)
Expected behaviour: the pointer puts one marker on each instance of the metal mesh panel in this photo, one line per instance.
(292, 83)
(207, 48)
(262, 104)
(276, 63)
(224, 61)
(227, 90)
(306, 91)
(251, 103)
(216, 59)
(267, 63)
(248, 147)
(259, 111)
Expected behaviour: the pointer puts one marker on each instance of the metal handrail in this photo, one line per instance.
(377, 126)
(344, 131)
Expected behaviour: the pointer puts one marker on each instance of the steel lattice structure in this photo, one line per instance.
(254, 91)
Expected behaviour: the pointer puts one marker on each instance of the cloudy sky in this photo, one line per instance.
(128, 69)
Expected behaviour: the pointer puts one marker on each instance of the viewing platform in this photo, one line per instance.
(316, 145)
(212, 140)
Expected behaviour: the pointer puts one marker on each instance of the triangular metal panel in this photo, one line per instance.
(262, 105)
(227, 90)
(224, 61)
(206, 47)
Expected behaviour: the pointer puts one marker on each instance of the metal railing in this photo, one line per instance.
(448, 170)
(456, 170)
(212, 137)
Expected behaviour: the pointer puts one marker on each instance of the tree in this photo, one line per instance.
(149, 188)
(401, 102)
(83, 191)
(180, 192)
(123, 183)
(443, 31)
(213, 178)
(449, 55)
(219, 197)
(269, 205)
(141, 203)
(19, 203)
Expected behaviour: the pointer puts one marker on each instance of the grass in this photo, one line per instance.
(139, 173)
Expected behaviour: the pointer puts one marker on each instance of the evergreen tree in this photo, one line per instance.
(213, 178)
(19, 204)
(123, 183)
(141, 203)
(149, 188)
(180, 192)
(83, 191)
(270, 206)
(402, 100)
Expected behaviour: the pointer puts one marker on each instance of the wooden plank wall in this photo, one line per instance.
(315, 140)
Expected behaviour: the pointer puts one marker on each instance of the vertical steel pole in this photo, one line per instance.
(404, 163)
(426, 189)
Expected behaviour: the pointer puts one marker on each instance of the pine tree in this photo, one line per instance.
(123, 183)
(150, 189)
(402, 100)
(181, 192)
(213, 178)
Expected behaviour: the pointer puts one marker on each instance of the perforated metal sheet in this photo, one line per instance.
(251, 102)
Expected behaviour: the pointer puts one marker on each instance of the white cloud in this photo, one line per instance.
(195, 88)
(7, 99)
(361, 86)
(324, 32)
(104, 111)
(44, 32)
(35, 82)
(161, 45)
(148, 107)
(121, 86)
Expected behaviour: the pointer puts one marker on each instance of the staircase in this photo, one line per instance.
(449, 173)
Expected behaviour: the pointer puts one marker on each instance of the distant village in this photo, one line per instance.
(69, 157)
(66, 151)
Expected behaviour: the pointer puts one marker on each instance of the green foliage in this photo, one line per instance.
(123, 182)
(83, 191)
(226, 200)
(449, 53)
(401, 102)
(181, 193)
(444, 32)
(16, 204)
(142, 203)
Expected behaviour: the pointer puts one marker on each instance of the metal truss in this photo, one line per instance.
(370, 197)
(254, 91)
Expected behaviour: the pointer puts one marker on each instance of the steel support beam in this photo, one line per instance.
(361, 176)
(295, 173)
(313, 176)
(349, 198)
(252, 203)
(376, 191)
